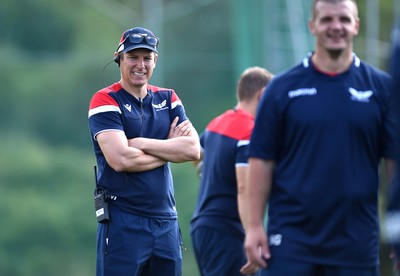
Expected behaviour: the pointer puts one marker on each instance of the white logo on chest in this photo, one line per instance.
(128, 107)
(160, 105)
(302, 92)
(360, 96)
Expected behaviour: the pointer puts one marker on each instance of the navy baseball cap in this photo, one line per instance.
(137, 38)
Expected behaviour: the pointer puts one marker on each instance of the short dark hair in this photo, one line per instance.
(327, 1)
(251, 81)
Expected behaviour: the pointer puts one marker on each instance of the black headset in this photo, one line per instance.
(117, 58)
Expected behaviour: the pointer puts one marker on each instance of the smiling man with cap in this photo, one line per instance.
(137, 129)
(136, 38)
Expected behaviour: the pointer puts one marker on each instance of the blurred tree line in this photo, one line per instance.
(54, 57)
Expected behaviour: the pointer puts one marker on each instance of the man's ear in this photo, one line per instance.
(311, 26)
(155, 60)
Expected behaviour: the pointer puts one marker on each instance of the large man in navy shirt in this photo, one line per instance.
(320, 133)
(136, 130)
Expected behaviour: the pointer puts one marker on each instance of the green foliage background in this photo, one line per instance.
(52, 59)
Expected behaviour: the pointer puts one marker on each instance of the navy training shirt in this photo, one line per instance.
(225, 144)
(148, 193)
(326, 135)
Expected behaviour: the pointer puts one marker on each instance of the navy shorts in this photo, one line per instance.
(218, 253)
(279, 266)
(135, 245)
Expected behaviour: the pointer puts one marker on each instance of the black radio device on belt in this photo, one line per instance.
(101, 198)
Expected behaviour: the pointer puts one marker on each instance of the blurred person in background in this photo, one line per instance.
(216, 230)
(137, 129)
(321, 131)
(392, 217)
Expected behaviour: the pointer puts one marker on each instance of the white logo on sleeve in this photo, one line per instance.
(360, 96)
(275, 240)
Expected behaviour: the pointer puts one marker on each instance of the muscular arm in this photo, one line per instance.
(182, 144)
(128, 156)
(256, 193)
(121, 157)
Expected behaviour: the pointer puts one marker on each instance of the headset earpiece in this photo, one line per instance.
(117, 58)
